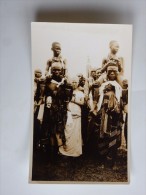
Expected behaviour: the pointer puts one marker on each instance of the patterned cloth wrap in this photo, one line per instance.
(111, 118)
(55, 114)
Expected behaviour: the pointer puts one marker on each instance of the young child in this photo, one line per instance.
(114, 60)
(37, 76)
(57, 57)
(112, 57)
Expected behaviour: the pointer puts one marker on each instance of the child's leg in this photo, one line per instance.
(120, 80)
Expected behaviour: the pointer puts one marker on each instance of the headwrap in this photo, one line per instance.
(118, 92)
(37, 71)
(125, 82)
(75, 79)
(114, 68)
(93, 70)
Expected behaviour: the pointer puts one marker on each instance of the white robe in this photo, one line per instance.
(73, 135)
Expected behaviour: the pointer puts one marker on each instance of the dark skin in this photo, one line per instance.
(56, 49)
(112, 75)
(81, 81)
(125, 85)
(93, 74)
(56, 74)
(38, 74)
(114, 48)
(98, 74)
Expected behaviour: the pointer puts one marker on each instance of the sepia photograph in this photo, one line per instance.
(81, 85)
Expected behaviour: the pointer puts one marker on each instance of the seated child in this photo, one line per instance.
(112, 57)
(114, 60)
(57, 57)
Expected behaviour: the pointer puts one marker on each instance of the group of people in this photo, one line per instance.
(73, 116)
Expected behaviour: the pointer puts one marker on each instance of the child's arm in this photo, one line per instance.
(121, 60)
(65, 67)
(105, 66)
(104, 61)
(48, 67)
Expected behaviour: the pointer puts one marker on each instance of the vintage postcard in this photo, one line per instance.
(81, 86)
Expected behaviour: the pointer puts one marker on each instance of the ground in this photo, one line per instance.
(85, 168)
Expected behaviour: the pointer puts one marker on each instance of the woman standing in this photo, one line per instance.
(73, 135)
(109, 106)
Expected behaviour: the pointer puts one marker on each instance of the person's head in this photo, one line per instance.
(56, 69)
(38, 73)
(107, 88)
(80, 75)
(125, 84)
(114, 47)
(98, 73)
(82, 81)
(75, 82)
(112, 73)
(56, 48)
(93, 73)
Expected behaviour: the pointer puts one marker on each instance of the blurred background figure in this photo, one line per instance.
(98, 73)
(39, 99)
(125, 112)
(37, 76)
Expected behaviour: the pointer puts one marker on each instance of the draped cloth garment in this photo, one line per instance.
(73, 130)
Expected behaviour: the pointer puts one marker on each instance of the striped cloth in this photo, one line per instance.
(111, 140)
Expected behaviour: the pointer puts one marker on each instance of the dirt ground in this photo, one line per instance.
(86, 168)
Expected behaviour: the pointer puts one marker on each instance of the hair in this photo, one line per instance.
(55, 43)
(75, 79)
(112, 42)
(38, 70)
(125, 81)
